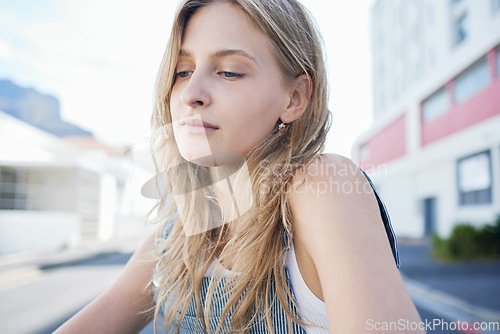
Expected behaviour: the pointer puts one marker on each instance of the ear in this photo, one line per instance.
(300, 94)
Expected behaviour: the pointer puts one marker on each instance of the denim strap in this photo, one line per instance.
(387, 223)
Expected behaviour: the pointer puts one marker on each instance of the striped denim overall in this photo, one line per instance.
(192, 325)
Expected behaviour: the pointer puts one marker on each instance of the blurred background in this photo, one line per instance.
(415, 97)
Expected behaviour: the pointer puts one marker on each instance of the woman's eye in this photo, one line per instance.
(228, 74)
(183, 74)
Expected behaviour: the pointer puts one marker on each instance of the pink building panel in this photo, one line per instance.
(386, 145)
(480, 107)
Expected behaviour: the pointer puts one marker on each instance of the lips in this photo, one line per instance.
(198, 122)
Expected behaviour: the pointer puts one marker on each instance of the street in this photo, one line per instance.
(40, 305)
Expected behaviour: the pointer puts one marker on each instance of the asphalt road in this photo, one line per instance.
(44, 302)
(477, 283)
(41, 305)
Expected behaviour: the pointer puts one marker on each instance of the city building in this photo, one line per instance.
(434, 147)
(57, 193)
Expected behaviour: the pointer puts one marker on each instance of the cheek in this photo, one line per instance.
(256, 117)
(174, 106)
(175, 114)
(267, 106)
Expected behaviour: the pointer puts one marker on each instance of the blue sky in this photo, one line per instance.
(100, 58)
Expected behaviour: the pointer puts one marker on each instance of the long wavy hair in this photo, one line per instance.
(259, 237)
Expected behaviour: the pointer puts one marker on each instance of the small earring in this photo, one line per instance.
(282, 127)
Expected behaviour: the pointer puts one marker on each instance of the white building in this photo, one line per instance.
(434, 147)
(54, 194)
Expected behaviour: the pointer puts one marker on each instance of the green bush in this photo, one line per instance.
(440, 249)
(468, 242)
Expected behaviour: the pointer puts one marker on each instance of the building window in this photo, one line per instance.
(472, 81)
(395, 14)
(381, 70)
(431, 57)
(415, 30)
(415, 71)
(498, 62)
(474, 179)
(381, 101)
(12, 189)
(435, 105)
(495, 6)
(460, 29)
(430, 15)
(380, 39)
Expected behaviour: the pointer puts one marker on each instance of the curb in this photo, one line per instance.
(449, 307)
(71, 262)
(23, 274)
(18, 276)
(17, 269)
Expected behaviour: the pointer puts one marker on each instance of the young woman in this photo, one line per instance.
(260, 232)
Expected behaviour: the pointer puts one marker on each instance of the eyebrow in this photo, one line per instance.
(222, 53)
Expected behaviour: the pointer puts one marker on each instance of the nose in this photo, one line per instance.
(195, 93)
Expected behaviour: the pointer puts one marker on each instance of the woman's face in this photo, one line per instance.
(227, 79)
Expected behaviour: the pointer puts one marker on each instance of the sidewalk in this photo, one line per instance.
(467, 291)
(19, 267)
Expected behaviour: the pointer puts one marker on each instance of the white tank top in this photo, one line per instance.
(312, 309)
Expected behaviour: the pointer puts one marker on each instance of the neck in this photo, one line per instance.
(232, 187)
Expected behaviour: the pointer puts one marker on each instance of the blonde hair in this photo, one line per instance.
(259, 240)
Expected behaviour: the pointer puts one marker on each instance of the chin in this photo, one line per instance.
(215, 159)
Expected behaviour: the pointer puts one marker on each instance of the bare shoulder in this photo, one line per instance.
(331, 198)
(330, 177)
(340, 236)
(327, 165)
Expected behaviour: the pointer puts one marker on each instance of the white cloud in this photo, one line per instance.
(6, 51)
